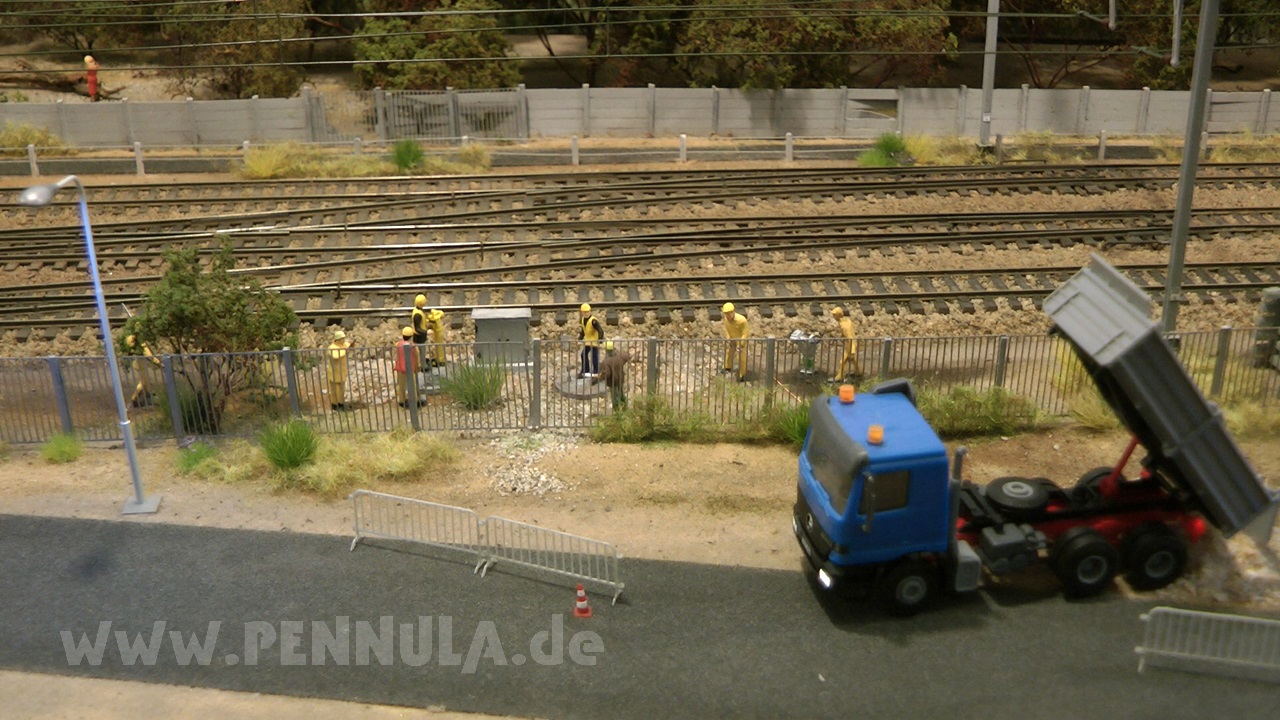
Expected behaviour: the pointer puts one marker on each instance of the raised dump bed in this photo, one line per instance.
(1107, 320)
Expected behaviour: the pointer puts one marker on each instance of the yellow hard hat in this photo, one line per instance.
(420, 301)
(407, 332)
(585, 307)
(339, 335)
(727, 307)
(129, 341)
(608, 345)
(838, 312)
(435, 314)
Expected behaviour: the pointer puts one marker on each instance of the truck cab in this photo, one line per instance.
(873, 487)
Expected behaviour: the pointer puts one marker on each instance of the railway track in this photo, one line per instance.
(353, 251)
(672, 299)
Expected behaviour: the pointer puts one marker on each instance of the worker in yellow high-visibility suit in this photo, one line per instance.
(592, 332)
(338, 370)
(435, 323)
(850, 359)
(735, 329)
(142, 369)
(418, 322)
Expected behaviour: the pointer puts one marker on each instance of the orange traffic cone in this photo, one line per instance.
(581, 609)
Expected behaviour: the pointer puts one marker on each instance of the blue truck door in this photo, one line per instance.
(902, 510)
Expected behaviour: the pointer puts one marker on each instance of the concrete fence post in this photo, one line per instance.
(1264, 110)
(1002, 360)
(898, 108)
(573, 151)
(842, 117)
(31, 160)
(651, 367)
(684, 147)
(886, 357)
(999, 148)
(62, 122)
(1082, 110)
(788, 151)
(1102, 145)
(255, 119)
(715, 110)
(522, 112)
(244, 149)
(307, 100)
(138, 164)
(126, 117)
(1024, 105)
(357, 146)
(653, 110)
(1204, 143)
(455, 114)
(380, 113)
(60, 391)
(171, 392)
(1220, 362)
(535, 394)
(193, 130)
(1144, 110)
(586, 110)
(962, 109)
(291, 381)
(1208, 105)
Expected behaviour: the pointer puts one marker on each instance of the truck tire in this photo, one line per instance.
(1154, 556)
(908, 587)
(1016, 495)
(1084, 562)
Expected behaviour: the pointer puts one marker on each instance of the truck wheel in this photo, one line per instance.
(908, 588)
(1084, 562)
(1154, 556)
(1017, 495)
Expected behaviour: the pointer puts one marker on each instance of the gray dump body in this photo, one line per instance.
(1107, 319)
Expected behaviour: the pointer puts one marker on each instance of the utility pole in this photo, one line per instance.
(989, 72)
(1200, 72)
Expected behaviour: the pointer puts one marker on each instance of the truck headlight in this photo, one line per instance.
(824, 579)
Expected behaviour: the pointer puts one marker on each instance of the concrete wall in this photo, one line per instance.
(641, 112)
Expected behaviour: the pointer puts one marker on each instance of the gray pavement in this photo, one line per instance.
(685, 640)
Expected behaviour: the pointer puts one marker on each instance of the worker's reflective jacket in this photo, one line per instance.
(592, 332)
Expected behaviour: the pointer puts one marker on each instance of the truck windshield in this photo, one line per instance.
(835, 457)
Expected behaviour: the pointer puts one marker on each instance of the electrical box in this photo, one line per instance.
(502, 335)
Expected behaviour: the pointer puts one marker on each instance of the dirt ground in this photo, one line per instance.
(721, 504)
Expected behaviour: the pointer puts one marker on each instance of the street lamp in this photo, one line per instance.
(39, 196)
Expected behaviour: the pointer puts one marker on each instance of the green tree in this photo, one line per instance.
(912, 35)
(194, 310)
(80, 25)
(1054, 39)
(237, 49)
(459, 46)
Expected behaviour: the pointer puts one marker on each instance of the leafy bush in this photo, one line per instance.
(889, 150)
(476, 386)
(200, 412)
(407, 155)
(290, 445)
(15, 137)
(965, 411)
(62, 448)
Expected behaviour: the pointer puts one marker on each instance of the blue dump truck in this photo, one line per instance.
(882, 511)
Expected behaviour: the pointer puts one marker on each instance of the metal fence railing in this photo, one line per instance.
(1213, 643)
(489, 541)
(398, 518)
(535, 386)
(573, 556)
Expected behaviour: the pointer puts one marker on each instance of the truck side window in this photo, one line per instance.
(891, 491)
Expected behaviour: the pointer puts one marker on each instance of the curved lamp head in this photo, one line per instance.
(41, 195)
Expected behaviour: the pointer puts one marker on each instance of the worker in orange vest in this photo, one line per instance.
(91, 77)
(407, 362)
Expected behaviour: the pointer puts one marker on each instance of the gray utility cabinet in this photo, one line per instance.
(502, 335)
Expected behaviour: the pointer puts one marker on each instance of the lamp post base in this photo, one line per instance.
(147, 506)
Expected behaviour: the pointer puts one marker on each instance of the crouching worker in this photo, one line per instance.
(613, 374)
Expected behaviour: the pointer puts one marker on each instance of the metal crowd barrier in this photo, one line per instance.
(398, 518)
(535, 547)
(490, 540)
(1212, 643)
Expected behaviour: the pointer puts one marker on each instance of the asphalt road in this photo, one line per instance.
(685, 640)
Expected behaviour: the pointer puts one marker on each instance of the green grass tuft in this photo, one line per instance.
(191, 460)
(15, 137)
(967, 412)
(62, 448)
(407, 155)
(290, 445)
(476, 386)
